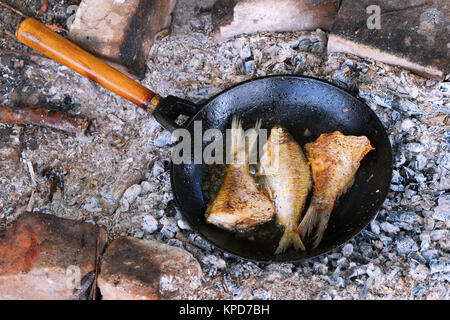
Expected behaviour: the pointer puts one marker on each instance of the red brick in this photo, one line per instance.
(121, 32)
(134, 269)
(234, 17)
(36, 251)
(415, 38)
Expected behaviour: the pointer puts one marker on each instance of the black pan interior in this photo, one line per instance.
(297, 103)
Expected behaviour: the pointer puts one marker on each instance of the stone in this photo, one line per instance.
(375, 227)
(430, 255)
(214, 261)
(438, 234)
(163, 140)
(347, 250)
(407, 124)
(412, 38)
(149, 224)
(134, 269)
(234, 17)
(43, 257)
(132, 193)
(442, 211)
(389, 228)
(406, 245)
(415, 147)
(183, 225)
(121, 32)
(169, 227)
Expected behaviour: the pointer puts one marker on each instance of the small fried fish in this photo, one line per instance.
(240, 204)
(334, 159)
(286, 176)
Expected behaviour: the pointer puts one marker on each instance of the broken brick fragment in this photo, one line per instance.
(234, 17)
(411, 35)
(134, 269)
(45, 257)
(121, 32)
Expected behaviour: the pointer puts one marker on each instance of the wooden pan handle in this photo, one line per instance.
(37, 36)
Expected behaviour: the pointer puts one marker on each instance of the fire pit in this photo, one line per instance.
(117, 175)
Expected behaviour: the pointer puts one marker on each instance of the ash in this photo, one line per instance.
(117, 175)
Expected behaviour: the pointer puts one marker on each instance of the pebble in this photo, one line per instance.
(212, 260)
(124, 205)
(419, 291)
(443, 266)
(149, 224)
(183, 225)
(132, 193)
(157, 169)
(406, 245)
(385, 239)
(175, 243)
(397, 188)
(375, 227)
(320, 268)
(396, 177)
(442, 211)
(407, 124)
(430, 255)
(249, 67)
(163, 140)
(408, 218)
(438, 234)
(347, 250)
(146, 186)
(389, 228)
(426, 239)
(169, 227)
(415, 147)
(421, 162)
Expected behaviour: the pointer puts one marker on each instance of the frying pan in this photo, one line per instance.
(297, 103)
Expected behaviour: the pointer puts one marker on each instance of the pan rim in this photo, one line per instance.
(339, 243)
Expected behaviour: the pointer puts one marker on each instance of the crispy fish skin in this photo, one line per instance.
(334, 160)
(287, 178)
(239, 204)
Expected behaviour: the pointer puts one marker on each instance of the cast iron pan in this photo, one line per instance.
(297, 103)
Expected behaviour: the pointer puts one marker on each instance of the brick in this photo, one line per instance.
(121, 32)
(40, 255)
(134, 269)
(415, 39)
(234, 17)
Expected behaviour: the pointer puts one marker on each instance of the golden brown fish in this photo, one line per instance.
(334, 160)
(239, 204)
(286, 176)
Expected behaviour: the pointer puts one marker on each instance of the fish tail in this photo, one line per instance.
(237, 136)
(252, 138)
(242, 141)
(316, 217)
(289, 236)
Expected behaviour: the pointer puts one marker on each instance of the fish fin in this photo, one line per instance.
(316, 217)
(236, 135)
(237, 141)
(321, 227)
(289, 236)
(308, 222)
(252, 139)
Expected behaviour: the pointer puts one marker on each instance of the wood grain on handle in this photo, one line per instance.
(37, 36)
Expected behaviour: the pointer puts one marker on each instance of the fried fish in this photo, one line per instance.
(240, 204)
(286, 176)
(334, 160)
